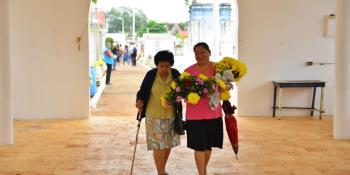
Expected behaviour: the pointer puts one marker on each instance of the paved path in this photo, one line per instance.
(103, 144)
(118, 102)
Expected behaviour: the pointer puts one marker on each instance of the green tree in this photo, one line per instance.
(184, 25)
(115, 17)
(153, 27)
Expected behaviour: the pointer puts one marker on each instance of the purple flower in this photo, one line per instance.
(178, 99)
(205, 91)
(177, 89)
(200, 81)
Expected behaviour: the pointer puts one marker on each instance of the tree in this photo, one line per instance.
(153, 27)
(115, 17)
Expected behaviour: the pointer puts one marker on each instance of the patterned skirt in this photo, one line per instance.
(160, 134)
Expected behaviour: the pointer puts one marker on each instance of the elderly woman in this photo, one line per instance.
(204, 125)
(159, 120)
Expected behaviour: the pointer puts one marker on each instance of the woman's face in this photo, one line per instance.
(164, 68)
(202, 54)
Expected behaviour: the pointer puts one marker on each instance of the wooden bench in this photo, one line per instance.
(277, 93)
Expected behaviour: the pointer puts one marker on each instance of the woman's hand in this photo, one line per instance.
(139, 104)
(229, 86)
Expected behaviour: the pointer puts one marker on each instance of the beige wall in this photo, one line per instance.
(276, 38)
(50, 76)
(6, 129)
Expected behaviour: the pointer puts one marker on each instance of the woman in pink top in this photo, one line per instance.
(204, 126)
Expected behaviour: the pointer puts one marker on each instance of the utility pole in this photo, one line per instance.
(122, 24)
(133, 25)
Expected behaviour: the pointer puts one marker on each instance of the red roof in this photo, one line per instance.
(101, 16)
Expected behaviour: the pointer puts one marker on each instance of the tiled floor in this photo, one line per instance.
(103, 144)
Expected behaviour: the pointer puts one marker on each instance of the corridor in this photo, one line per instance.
(103, 144)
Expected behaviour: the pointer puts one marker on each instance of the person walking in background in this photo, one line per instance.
(108, 58)
(126, 56)
(119, 53)
(159, 120)
(204, 126)
(133, 55)
(115, 53)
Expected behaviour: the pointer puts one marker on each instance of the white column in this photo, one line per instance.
(217, 28)
(6, 125)
(342, 71)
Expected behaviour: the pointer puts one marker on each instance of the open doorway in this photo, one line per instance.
(141, 25)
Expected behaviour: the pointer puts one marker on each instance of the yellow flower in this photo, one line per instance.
(225, 95)
(221, 84)
(235, 65)
(203, 77)
(193, 98)
(242, 69)
(100, 62)
(184, 75)
(221, 66)
(173, 84)
(230, 61)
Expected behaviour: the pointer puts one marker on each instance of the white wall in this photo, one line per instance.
(276, 38)
(6, 126)
(50, 76)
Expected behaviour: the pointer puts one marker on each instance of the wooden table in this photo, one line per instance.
(277, 93)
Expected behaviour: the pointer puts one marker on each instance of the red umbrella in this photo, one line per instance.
(231, 125)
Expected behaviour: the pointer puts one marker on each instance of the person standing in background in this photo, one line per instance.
(108, 58)
(119, 53)
(126, 56)
(115, 53)
(133, 55)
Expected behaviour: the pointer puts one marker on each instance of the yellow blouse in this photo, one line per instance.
(154, 106)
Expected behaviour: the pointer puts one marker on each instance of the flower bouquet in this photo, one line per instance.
(190, 89)
(230, 70)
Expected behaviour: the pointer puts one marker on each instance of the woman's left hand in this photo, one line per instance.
(229, 86)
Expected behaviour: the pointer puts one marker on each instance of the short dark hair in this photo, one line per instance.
(164, 55)
(202, 44)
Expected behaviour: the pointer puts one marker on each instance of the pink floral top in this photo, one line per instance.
(201, 111)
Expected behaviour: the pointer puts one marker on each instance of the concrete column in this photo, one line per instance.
(217, 27)
(342, 71)
(6, 125)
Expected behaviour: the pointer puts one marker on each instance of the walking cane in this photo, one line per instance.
(139, 118)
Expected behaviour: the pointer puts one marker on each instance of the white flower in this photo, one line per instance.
(227, 76)
(217, 76)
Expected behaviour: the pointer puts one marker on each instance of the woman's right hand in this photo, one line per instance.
(139, 104)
